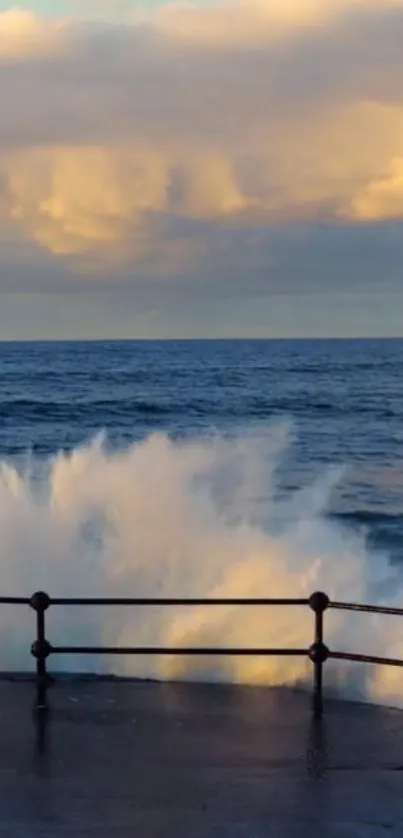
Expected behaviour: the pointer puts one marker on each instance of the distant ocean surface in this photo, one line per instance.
(343, 400)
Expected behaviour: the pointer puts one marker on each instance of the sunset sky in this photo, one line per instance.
(201, 169)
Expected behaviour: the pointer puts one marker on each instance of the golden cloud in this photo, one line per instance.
(77, 198)
(242, 22)
(383, 198)
(23, 34)
(286, 119)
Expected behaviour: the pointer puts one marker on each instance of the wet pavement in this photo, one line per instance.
(121, 759)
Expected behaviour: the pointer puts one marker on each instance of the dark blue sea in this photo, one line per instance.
(342, 400)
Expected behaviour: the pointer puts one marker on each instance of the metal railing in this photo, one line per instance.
(318, 652)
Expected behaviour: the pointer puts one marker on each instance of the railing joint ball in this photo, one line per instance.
(318, 653)
(40, 601)
(319, 602)
(41, 649)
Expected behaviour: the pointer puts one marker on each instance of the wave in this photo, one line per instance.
(236, 405)
(190, 518)
(38, 410)
(368, 517)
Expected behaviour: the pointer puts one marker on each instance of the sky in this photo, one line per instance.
(229, 168)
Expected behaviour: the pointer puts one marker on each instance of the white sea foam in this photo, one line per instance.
(164, 518)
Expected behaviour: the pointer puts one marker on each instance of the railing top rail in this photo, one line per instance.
(206, 601)
(359, 658)
(15, 600)
(167, 601)
(363, 607)
(191, 651)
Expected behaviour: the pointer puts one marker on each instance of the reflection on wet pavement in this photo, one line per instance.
(116, 759)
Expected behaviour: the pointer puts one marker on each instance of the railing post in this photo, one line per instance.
(40, 649)
(318, 652)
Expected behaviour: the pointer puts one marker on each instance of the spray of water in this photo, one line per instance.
(186, 519)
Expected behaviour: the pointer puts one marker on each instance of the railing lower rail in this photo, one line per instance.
(318, 652)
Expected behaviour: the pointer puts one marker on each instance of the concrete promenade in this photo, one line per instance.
(123, 759)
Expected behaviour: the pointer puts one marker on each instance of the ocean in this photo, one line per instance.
(193, 468)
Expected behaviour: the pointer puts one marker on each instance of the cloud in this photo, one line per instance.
(76, 198)
(228, 23)
(382, 198)
(161, 144)
(24, 35)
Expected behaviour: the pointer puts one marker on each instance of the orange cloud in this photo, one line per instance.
(23, 34)
(110, 130)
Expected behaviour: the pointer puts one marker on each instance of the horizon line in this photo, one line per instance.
(238, 339)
